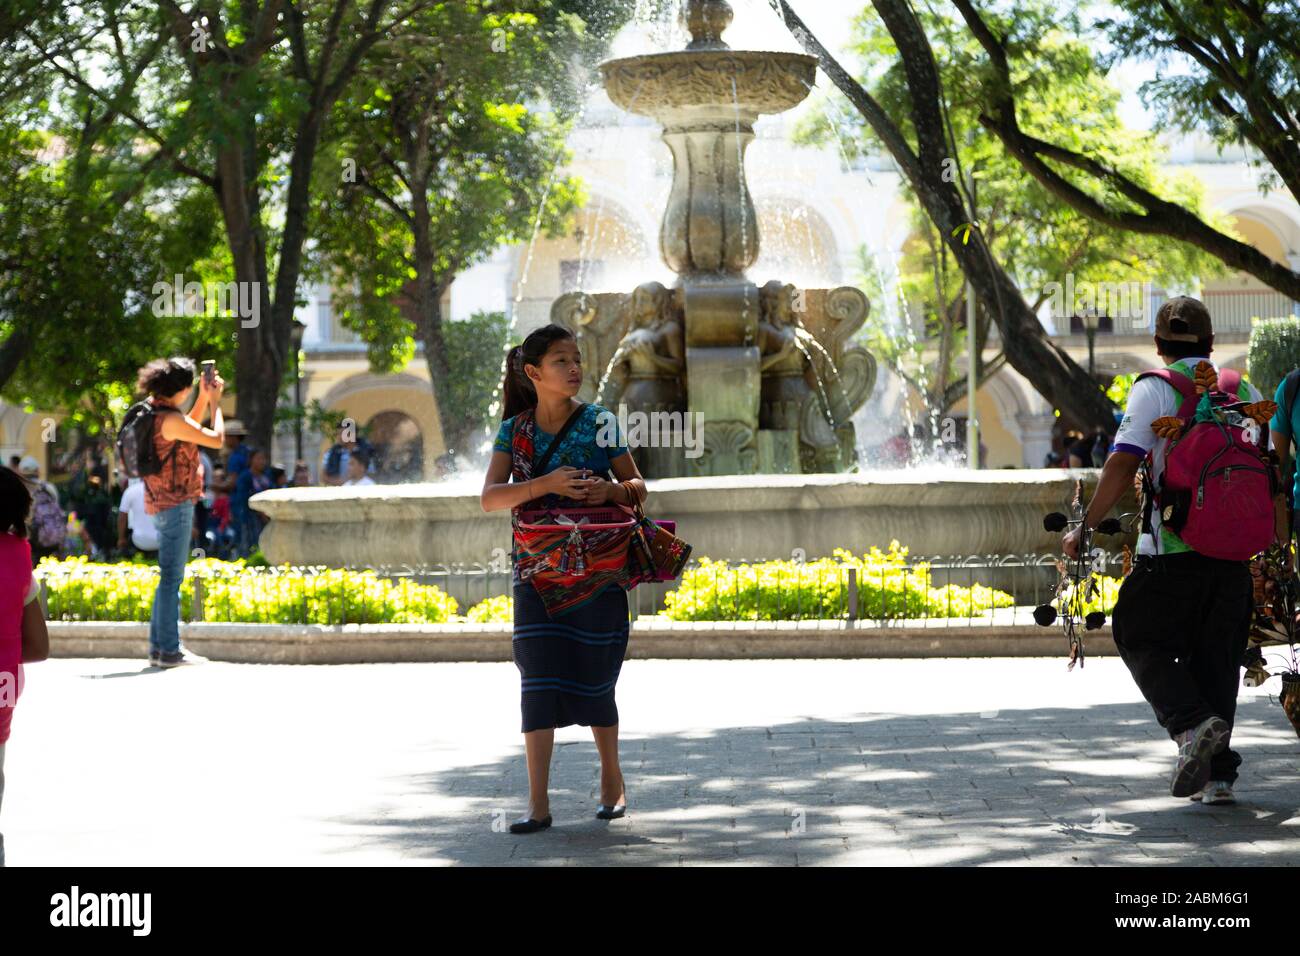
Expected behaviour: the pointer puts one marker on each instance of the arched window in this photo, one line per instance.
(399, 448)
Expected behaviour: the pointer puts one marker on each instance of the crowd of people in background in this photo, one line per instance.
(89, 514)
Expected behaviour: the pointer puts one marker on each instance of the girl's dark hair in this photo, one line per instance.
(15, 502)
(166, 376)
(517, 390)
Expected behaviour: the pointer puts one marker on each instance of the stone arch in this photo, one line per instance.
(399, 446)
(365, 396)
(1273, 227)
(1276, 220)
(607, 249)
(797, 244)
(1022, 413)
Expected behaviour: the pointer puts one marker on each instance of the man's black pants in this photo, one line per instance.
(1181, 624)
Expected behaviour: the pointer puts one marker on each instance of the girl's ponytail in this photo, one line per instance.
(517, 390)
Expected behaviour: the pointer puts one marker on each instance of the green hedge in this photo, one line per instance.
(1273, 352)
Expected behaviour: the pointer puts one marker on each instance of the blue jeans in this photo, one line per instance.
(173, 526)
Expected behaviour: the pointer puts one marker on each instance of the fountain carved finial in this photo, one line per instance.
(706, 20)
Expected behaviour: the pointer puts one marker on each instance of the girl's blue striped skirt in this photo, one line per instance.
(569, 664)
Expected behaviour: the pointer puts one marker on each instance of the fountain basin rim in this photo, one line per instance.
(765, 82)
(674, 496)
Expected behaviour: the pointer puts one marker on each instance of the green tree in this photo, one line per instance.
(1236, 79)
(1034, 237)
(445, 151)
(86, 230)
(240, 97)
(922, 143)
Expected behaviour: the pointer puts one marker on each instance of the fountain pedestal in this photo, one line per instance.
(717, 335)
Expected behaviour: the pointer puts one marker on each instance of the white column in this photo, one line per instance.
(1294, 259)
(1035, 437)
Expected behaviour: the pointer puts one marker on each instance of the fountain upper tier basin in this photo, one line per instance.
(661, 84)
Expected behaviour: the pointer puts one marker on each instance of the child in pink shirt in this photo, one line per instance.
(23, 637)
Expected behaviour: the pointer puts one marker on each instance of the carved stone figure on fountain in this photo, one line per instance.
(646, 371)
(784, 386)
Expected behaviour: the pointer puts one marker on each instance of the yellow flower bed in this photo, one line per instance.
(788, 590)
(79, 590)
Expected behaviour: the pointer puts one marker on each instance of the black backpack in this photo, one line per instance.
(135, 446)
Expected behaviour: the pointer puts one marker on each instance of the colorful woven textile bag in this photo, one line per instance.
(570, 553)
(656, 553)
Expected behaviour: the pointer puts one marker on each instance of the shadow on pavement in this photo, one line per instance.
(1021, 787)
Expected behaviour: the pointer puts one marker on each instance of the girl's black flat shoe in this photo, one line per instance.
(530, 825)
(606, 812)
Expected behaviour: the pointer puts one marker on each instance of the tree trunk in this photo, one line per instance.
(1028, 348)
(13, 351)
(258, 368)
(428, 303)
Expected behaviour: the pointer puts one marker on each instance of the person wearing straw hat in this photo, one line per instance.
(238, 453)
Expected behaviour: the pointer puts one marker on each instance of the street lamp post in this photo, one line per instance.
(1091, 320)
(295, 340)
(972, 356)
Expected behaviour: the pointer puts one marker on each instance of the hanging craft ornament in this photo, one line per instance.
(1260, 412)
(572, 555)
(1207, 379)
(1168, 426)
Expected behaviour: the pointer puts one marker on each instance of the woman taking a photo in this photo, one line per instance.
(170, 494)
(570, 661)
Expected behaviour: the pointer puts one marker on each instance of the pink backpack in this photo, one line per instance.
(1217, 489)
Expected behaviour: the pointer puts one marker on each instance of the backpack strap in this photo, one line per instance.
(1289, 393)
(158, 410)
(1185, 385)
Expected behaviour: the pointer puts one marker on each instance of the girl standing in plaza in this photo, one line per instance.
(569, 661)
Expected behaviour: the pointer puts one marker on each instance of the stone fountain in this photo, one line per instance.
(769, 372)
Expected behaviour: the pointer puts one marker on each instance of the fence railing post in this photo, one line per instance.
(853, 594)
(196, 609)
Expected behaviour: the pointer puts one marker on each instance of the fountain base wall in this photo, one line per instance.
(734, 517)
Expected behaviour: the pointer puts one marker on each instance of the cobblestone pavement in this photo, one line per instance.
(926, 762)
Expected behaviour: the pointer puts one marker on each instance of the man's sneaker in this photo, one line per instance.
(1195, 748)
(153, 658)
(176, 659)
(1216, 793)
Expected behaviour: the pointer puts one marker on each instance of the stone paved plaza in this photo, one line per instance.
(925, 762)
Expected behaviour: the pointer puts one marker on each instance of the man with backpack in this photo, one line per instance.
(1286, 431)
(49, 522)
(1183, 616)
